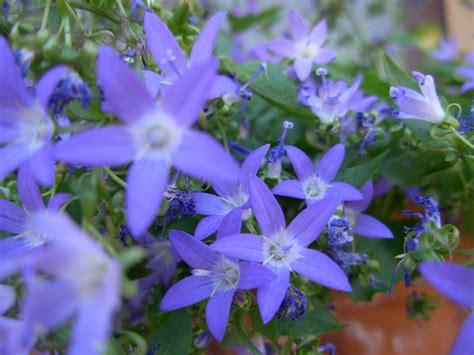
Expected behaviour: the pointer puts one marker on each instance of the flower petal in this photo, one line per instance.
(48, 83)
(221, 85)
(124, 93)
(329, 164)
(318, 33)
(310, 222)
(343, 192)
(320, 268)
(267, 211)
(297, 26)
(185, 98)
(208, 204)
(453, 281)
(253, 275)
(7, 298)
(111, 145)
(201, 156)
(241, 246)
(252, 164)
(217, 312)
(231, 224)
(300, 161)
(41, 164)
(368, 226)
(164, 47)
(464, 343)
(283, 47)
(12, 217)
(11, 156)
(188, 291)
(324, 56)
(205, 42)
(367, 191)
(194, 252)
(207, 226)
(154, 82)
(290, 188)
(57, 201)
(146, 183)
(303, 68)
(271, 295)
(30, 195)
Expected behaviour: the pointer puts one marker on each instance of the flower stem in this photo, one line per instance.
(245, 338)
(115, 177)
(47, 8)
(461, 138)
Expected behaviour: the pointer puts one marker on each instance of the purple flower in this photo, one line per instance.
(331, 100)
(456, 282)
(8, 326)
(157, 136)
(172, 61)
(213, 276)
(447, 50)
(284, 249)
(71, 278)
(468, 72)
(412, 105)
(315, 182)
(15, 220)
(25, 127)
(226, 211)
(278, 152)
(305, 47)
(365, 225)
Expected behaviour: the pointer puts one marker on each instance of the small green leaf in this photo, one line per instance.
(315, 322)
(240, 24)
(173, 334)
(268, 330)
(395, 75)
(358, 175)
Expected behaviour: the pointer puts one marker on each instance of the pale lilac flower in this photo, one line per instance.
(331, 100)
(363, 224)
(8, 326)
(213, 276)
(468, 72)
(304, 47)
(315, 182)
(284, 249)
(413, 105)
(172, 61)
(72, 278)
(25, 127)
(157, 136)
(277, 153)
(15, 220)
(447, 50)
(226, 211)
(456, 282)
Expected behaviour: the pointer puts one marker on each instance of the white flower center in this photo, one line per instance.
(225, 275)
(33, 128)
(307, 49)
(280, 250)
(314, 187)
(156, 135)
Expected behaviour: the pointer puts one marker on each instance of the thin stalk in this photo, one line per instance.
(47, 8)
(461, 138)
(67, 32)
(245, 338)
(115, 177)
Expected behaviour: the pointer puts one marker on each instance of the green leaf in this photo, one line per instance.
(173, 334)
(94, 10)
(240, 24)
(315, 322)
(358, 175)
(274, 86)
(395, 75)
(268, 330)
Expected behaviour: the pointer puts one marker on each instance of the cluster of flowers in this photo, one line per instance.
(67, 274)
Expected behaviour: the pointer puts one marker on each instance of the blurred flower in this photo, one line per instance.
(284, 249)
(294, 304)
(468, 72)
(137, 8)
(305, 47)
(157, 135)
(214, 277)
(447, 51)
(412, 105)
(226, 211)
(456, 282)
(25, 127)
(70, 88)
(315, 182)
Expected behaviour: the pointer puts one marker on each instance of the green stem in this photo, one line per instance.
(464, 251)
(461, 138)
(245, 338)
(287, 347)
(121, 8)
(67, 32)
(115, 177)
(47, 8)
(224, 136)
